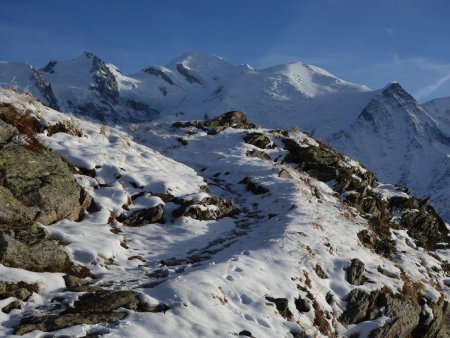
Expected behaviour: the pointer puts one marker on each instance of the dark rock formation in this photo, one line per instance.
(90, 308)
(188, 76)
(253, 187)
(29, 247)
(258, 140)
(355, 273)
(7, 131)
(20, 290)
(282, 305)
(143, 216)
(209, 208)
(158, 72)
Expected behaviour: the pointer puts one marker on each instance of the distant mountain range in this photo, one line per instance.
(399, 139)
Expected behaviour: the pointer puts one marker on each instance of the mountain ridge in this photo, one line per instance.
(197, 85)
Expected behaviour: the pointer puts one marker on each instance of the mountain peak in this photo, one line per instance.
(192, 58)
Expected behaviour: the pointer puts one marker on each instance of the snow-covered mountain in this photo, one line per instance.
(212, 228)
(439, 109)
(401, 142)
(406, 143)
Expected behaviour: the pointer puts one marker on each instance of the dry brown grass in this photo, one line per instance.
(411, 289)
(25, 122)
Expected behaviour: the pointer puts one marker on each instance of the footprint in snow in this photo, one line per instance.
(262, 322)
(237, 269)
(228, 278)
(246, 299)
(248, 317)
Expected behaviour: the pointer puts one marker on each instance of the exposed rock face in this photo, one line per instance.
(232, 119)
(158, 72)
(357, 188)
(405, 312)
(426, 227)
(258, 140)
(20, 290)
(254, 187)
(37, 186)
(7, 131)
(188, 76)
(29, 247)
(144, 216)
(258, 154)
(355, 273)
(209, 208)
(282, 305)
(364, 306)
(45, 89)
(90, 308)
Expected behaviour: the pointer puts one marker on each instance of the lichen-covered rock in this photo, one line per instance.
(355, 273)
(405, 312)
(258, 140)
(235, 119)
(20, 290)
(258, 154)
(14, 305)
(209, 208)
(425, 227)
(29, 247)
(50, 323)
(254, 187)
(90, 308)
(144, 216)
(7, 131)
(41, 187)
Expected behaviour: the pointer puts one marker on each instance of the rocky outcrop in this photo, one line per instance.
(29, 247)
(357, 187)
(90, 308)
(7, 131)
(232, 119)
(254, 187)
(37, 186)
(20, 290)
(209, 208)
(404, 310)
(258, 140)
(355, 273)
(143, 216)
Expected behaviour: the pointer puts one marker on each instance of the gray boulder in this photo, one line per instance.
(29, 247)
(7, 131)
(37, 186)
(355, 273)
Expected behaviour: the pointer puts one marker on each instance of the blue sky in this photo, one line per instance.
(364, 41)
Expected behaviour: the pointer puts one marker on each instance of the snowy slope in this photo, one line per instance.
(401, 143)
(439, 109)
(271, 249)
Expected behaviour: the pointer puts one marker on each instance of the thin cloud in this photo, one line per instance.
(430, 89)
(388, 31)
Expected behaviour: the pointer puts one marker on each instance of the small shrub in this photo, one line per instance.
(70, 127)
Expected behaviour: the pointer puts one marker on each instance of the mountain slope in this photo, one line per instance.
(439, 109)
(222, 231)
(400, 142)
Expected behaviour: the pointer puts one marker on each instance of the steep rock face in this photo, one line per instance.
(400, 142)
